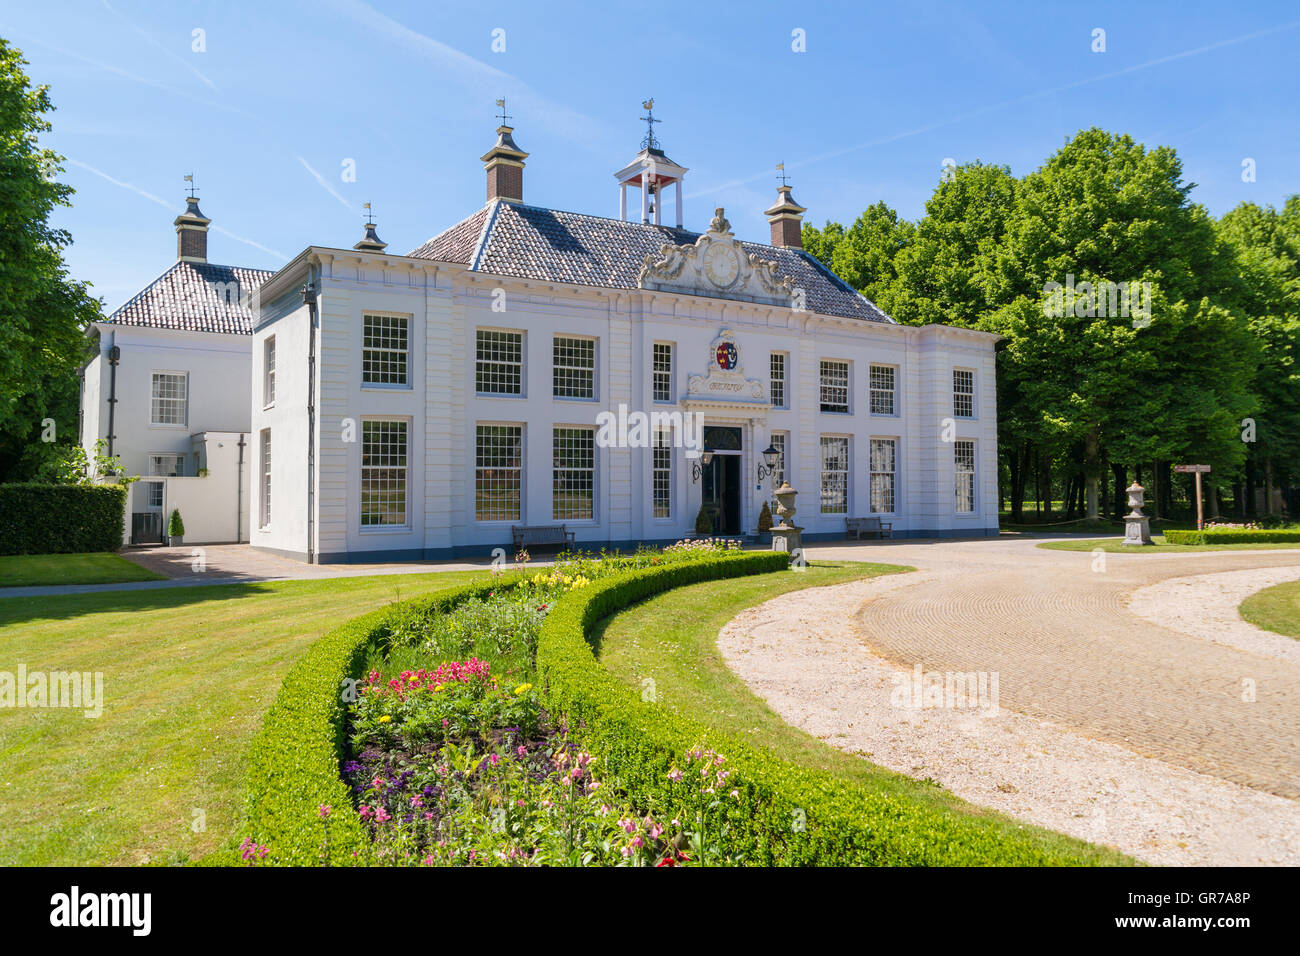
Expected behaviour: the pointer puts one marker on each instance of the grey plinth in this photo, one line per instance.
(786, 536)
(1137, 527)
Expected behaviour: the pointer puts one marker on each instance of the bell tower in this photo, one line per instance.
(650, 171)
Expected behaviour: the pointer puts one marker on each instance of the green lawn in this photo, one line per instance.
(1159, 547)
(26, 570)
(188, 674)
(672, 639)
(1275, 609)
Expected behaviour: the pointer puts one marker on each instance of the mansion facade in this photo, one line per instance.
(531, 366)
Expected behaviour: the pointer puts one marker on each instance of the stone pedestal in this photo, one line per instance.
(786, 536)
(1137, 527)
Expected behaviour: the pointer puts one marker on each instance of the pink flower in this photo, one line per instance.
(365, 812)
(675, 775)
(494, 760)
(324, 809)
(382, 815)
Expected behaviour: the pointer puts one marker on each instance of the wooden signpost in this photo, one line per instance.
(1197, 470)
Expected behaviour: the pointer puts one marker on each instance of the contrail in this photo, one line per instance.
(171, 53)
(166, 205)
(325, 185)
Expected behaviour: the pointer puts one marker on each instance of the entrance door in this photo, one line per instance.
(722, 493)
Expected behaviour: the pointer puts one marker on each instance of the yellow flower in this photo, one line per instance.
(385, 719)
(523, 689)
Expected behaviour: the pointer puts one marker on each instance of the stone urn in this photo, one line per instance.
(786, 535)
(1137, 527)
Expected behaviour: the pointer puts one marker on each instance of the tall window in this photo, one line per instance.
(384, 350)
(169, 398)
(778, 473)
(882, 390)
(573, 477)
(575, 368)
(498, 463)
(662, 478)
(964, 458)
(835, 476)
(963, 393)
(883, 465)
(499, 363)
(268, 366)
(835, 386)
(662, 385)
(155, 494)
(383, 473)
(776, 379)
(266, 478)
(167, 466)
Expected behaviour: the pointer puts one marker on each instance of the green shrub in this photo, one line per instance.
(1232, 536)
(785, 814)
(765, 518)
(703, 522)
(61, 519)
(176, 525)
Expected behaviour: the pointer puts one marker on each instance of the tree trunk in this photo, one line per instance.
(1269, 503)
(1092, 475)
(1154, 497)
(1120, 473)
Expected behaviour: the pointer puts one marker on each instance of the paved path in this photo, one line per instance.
(1067, 649)
(239, 564)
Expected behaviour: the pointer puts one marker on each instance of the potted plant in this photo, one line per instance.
(703, 522)
(176, 529)
(765, 519)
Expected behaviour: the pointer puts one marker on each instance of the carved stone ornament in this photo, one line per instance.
(725, 379)
(716, 265)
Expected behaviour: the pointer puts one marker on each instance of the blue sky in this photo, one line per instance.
(285, 93)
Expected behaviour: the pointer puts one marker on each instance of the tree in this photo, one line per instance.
(43, 312)
(864, 254)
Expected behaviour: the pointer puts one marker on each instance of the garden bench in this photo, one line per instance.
(873, 526)
(541, 534)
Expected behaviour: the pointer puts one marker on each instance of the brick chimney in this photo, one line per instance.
(786, 219)
(192, 233)
(504, 163)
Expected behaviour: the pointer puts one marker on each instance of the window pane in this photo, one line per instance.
(499, 363)
(835, 476)
(383, 473)
(498, 461)
(663, 372)
(882, 475)
(573, 483)
(268, 396)
(964, 459)
(663, 473)
(777, 379)
(167, 405)
(835, 386)
(882, 390)
(575, 368)
(384, 350)
(963, 393)
(266, 477)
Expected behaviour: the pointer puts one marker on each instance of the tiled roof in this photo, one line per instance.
(195, 297)
(536, 243)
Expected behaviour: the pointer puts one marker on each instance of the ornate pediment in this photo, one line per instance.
(716, 265)
(724, 380)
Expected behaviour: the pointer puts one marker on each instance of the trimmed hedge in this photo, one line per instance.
(1233, 536)
(785, 814)
(294, 761)
(61, 519)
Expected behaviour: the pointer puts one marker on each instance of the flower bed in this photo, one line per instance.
(300, 811)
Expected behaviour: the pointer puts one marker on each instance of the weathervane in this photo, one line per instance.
(190, 179)
(370, 218)
(649, 119)
(780, 167)
(503, 117)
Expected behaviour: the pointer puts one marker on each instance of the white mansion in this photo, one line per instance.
(359, 405)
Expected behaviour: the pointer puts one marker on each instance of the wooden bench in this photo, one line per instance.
(873, 526)
(541, 534)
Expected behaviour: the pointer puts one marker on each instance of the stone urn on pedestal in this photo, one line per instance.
(1137, 527)
(786, 535)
